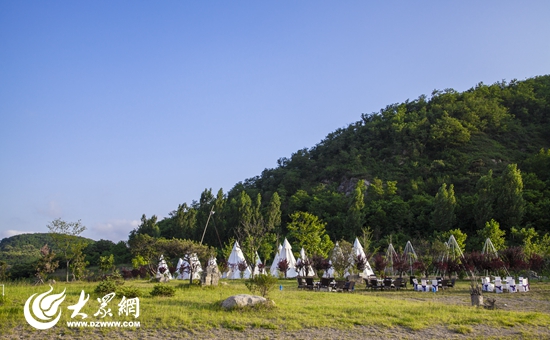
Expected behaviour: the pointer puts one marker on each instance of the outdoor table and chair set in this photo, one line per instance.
(326, 284)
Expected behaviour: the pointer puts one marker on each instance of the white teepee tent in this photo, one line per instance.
(335, 255)
(178, 269)
(256, 268)
(235, 258)
(185, 275)
(304, 272)
(274, 269)
(165, 272)
(359, 251)
(286, 254)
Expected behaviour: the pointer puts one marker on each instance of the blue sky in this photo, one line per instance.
(114, 109)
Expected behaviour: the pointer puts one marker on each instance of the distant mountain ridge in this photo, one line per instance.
(24, 248)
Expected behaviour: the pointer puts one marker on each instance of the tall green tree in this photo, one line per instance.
(485, 198)
(307, 231)
(64, 236)
(253, 228)
(443, 216)
(492, 230)
(147, 227)
(356, 211)
(510, 202)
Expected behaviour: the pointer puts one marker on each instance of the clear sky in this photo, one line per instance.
(114, 109)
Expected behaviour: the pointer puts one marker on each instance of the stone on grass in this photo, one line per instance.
(243, 300)
(211, 276)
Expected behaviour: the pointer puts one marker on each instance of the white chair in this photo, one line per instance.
(435, 284)
(424, 285)
(486, 285)
(512, 288)
(523, 285)
(498, 286)
(416, 285)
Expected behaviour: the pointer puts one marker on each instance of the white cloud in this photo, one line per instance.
(53, 209)
(11, 232)
(114, 230)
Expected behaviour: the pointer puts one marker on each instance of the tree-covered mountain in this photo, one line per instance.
(24, 249)
(413, 170)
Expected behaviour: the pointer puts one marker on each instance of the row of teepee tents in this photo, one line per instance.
(284, 252)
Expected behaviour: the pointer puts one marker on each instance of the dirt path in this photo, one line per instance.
(478, 331)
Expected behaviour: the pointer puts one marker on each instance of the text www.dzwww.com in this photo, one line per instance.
(126, 324)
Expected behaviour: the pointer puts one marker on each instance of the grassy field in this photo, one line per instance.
(196, 309)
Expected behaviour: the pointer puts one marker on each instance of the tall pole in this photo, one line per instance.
(208, 220)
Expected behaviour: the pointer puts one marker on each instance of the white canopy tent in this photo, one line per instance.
(304, 272)
(274, 270)
(359, 251)
(235, 258)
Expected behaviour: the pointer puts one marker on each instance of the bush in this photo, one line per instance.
(130, 292)
(105, 287)
(163, 290)
(262, 283)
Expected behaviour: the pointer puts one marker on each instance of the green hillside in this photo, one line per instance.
(25, 248)
(406, 153)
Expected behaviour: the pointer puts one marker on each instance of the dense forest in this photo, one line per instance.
(414, 170)
(473, 164)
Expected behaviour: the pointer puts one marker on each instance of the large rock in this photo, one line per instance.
(242, 300)
(211, 276)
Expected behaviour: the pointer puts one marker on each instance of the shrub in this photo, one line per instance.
(126, 273)
(130, 292)
(262, 283)
(105, 287)
(163, 290)
(283, 266)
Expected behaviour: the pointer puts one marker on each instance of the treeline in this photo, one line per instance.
(414, 170)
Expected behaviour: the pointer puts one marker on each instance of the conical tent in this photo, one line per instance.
(489, 252)
(410, 255)
(390, 255)
(286, 254)
(359, 251)
(178, 269)
(274, 266)
(335, 256)
(489, 249)
(304, 272)
(197, 266)
(257, 268)
(162, 269)
(235, 258)
(452, 251)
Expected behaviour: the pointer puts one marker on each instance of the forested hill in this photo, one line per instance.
(480, 150)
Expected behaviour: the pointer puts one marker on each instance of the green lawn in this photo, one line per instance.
(195, 308)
